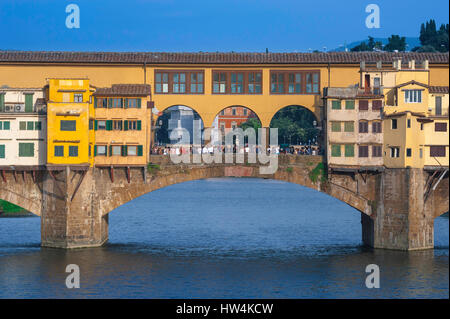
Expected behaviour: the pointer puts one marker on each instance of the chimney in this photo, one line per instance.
(425, 64)
(362, 65)
(379, 65)
(412, 64)
(397, 64)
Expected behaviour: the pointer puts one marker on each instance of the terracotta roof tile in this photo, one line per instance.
(439, 89)
(124, 90)
(216, 57)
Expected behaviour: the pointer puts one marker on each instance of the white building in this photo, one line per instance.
(183, 118)
(22, 127)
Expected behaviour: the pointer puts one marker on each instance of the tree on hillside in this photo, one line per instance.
(395, 42)
(369, 46)
(431, 38)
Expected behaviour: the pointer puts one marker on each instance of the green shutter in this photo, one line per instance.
(30, 126)
(336, 105)
(349, 150)
(29, 103)
(2, 151)
(139, 125)
(37, 126)
(335, 126)
(1, 125)
(22, 126)
(124, 150)
(26, 149)
(125, 104)
(138, 103)
(140, 150)
(95, 102)
(349, 127)
(110, 103)
(349, 105)
(2, 102)
(110, 150)
(125, 125)
(95, 150)
(336, 150)
(95, 125)
(6, 125)
(109, 125)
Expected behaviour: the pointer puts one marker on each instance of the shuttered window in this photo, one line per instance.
(376, 151)
(363, 127)
(73, 151)
(26, 149)
(363, 105)
(59, 151)
(68, 125)
(28, 103)
(363, 151)
(335, 126)
(376, 127)
(336, 150)
(336, 105)
(437, 151)
(2, 102)
(376, 105)
(440, 127)
(349, 127)
(2, 151)
(350, 105)
(349, 150)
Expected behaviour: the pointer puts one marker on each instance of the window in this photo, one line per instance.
(73, 151)
(115, 103)
(363, 151)
(2, 151)
(254, 82)
(295, 83)
(376, 105)
(437, 151)
(420, 153)
(30, 126)
(312, 82)
(100, 150)
(363, 127)
(413, 96)
(336, 105)
(133, 103)
(219, 82)
(349, 150)
(277, 83)
(336, 150)
(100, 102)
(37, 126)
(237, 82)
(91, 124)
(132, 150)
(349, 126)
(233, 111)
(179, 83)
(395, 151)
(117, 125)
(222, 112)
(245, 111)
(22, 126)
(115, 150)
(196, 82)
(101, 125)
(394, 124)
(59, 151)
(363, 105)
(5, 125)
(28, 102)
(162, 83)
(376, 150)
(68, 125)
(408, 152)
(26, 149)
(349, 104)
(78, 98)
(132, 125)
(438, 105)
(335, 126)
(376, 127)
(408, 123)
(440, 127)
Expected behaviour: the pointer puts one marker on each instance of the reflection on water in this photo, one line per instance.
(224, 238)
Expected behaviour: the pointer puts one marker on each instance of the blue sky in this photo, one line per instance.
(214, 25)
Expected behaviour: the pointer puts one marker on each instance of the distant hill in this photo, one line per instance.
(412, 42)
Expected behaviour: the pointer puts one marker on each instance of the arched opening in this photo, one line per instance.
(230, 118)
(298, 130)
(178, 124)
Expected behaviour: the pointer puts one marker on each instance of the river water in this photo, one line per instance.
(224, 238)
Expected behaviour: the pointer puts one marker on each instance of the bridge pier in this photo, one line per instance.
(71, 215)
(400, 218)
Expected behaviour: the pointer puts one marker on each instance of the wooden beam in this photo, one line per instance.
(112, 174)
(2, 172)
(128, 174)
(83, 174)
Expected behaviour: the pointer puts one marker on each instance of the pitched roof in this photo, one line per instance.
(216, 57)
(439, 89)
(412, 82)
(124, 90)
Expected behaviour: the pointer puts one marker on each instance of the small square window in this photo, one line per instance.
(73, 151)
(59, 151)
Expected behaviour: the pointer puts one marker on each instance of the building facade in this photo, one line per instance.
(122, 125)
(23, 125)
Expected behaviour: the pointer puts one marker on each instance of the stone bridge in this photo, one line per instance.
(397, 206)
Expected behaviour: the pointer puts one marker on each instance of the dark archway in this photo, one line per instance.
(298, 129)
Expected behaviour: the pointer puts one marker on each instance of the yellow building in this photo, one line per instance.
(122, 125)
(415, 118)
(70, 115)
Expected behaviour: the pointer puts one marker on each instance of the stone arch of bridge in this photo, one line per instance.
(21, 200)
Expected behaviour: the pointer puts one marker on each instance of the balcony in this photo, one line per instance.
(370, 91)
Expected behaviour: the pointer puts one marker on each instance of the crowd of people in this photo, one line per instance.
(211, 149)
